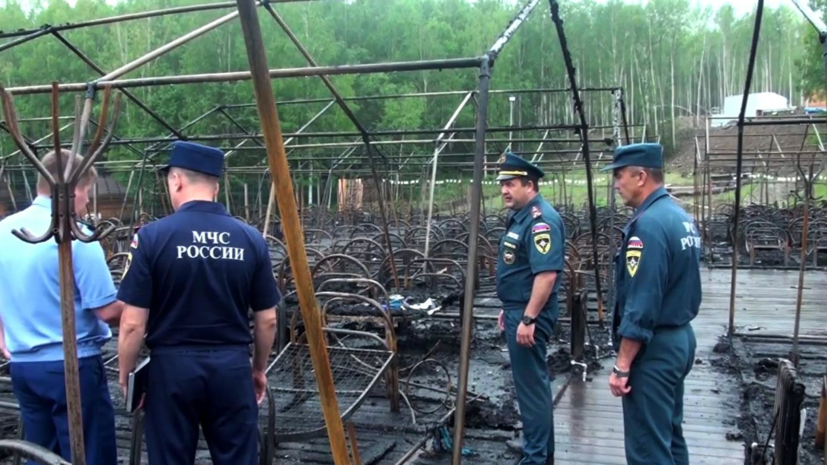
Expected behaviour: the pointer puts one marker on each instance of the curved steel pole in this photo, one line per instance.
(280, 172)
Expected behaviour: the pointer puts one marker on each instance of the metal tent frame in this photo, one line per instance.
(270, 139)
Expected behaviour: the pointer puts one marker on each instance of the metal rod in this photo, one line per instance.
(437, 150)
(280, 172)
(578, 105)
(802, 266)
(135, 64)
(512, 28)
(370, 68)
(24, 39)
(471, 269)
(783, 122)
(432, 94)
(365, 136)
(128, 94)
(209, 137)
(811, 16)
(750, 69)
(122, 18)
(623, 116)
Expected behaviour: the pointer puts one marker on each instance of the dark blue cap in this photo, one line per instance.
(643, 155)
(515, 166)
(196, 157)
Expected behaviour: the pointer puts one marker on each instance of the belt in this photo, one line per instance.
(198, 348)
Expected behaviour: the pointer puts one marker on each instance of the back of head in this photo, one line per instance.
(49, 162)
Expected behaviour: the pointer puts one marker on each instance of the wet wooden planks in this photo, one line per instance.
(766, 300)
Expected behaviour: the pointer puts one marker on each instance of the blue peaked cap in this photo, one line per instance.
(643, 155)
(196, 157)
(515, 166)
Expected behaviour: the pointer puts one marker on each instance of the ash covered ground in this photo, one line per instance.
(754, 361)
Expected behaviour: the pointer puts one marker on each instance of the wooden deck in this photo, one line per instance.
(588, 419)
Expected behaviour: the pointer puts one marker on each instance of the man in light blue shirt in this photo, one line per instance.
(31, 334)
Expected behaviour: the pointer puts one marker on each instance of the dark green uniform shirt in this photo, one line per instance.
(534, 242)
(657, 272)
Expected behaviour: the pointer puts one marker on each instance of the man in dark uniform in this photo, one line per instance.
(658, 294)
(531, 255)
(190, 282)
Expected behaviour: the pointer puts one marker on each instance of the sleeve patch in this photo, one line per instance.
(634, 243)
(134, 243)
(540, 228)
(542, 242)
(632, 261)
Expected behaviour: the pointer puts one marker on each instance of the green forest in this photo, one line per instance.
(675, 62)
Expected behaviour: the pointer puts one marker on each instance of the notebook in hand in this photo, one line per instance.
(136, 385)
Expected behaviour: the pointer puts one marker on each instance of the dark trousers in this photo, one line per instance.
(653, 410)
(40, 388)
(210, 388)
(533, 386)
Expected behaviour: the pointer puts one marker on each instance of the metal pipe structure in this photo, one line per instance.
(365, 137)
(282, 73)
(437, 151)
(280, 172)
(750, 69)
(584, 131)
(133, 17)
(474, 224)
(221, 137)
(137, 63)
(128, 94)
(471, 270)
(24, 39)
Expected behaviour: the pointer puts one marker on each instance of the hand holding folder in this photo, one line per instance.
(136, 386)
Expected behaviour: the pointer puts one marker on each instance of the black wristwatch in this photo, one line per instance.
(618, 373)
(527, 320)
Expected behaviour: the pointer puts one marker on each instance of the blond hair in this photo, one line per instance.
(49, 161)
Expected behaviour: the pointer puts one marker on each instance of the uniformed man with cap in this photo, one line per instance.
(190, 282)
(531, 256)
(658, 293)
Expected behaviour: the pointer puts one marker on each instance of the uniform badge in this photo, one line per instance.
(513, 235)
(542, 242)
(540, 228)
(535, 212)
(634, 250)
(509, 245)
(509, 257)
(134, 243)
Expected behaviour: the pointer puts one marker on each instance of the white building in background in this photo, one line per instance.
(757, 104)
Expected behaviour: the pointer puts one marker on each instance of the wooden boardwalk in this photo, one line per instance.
(588, 419)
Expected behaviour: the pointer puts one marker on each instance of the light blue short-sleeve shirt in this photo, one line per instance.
(30, 290)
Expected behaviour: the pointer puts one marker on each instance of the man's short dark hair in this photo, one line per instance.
(656, 174)
(524, 180)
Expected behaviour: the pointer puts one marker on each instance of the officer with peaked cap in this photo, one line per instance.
(190, 282)
(531, 256)
(658, 284)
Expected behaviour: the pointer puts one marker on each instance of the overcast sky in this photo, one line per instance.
(741, 6)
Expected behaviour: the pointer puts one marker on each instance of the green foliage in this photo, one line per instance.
(644, 49)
